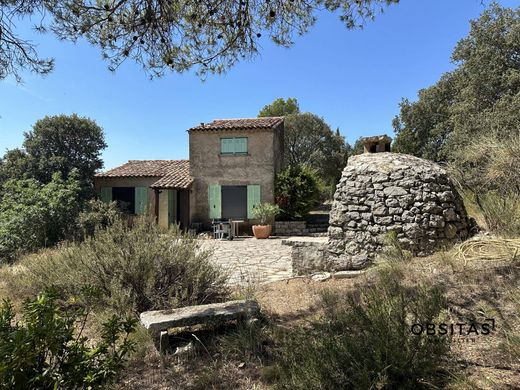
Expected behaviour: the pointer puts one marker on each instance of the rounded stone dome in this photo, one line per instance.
(383, 192)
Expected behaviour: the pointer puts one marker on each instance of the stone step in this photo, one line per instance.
(161, 320)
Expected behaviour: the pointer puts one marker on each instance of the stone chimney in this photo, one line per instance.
(376, 144)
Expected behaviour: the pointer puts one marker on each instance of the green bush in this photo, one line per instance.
(33, 216)
(364, 339)
(45, 349)
(136, 268)
(297, 191)
(501, 212)
(97, 214)
(265, 212)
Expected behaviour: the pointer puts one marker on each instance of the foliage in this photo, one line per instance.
(135, 268)
(281, 107)
(297, 191)
(58, 143)
(309, 140)
(357, 148)
(97, 214)
(364, 339)
(470, 118)
(265, 212)
(162, 35)
(46, 350)
(33, 215)
(501, 212)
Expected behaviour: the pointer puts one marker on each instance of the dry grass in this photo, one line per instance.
(475, 290)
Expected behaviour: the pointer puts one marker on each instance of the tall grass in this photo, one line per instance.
(134, 268)
(501, 212)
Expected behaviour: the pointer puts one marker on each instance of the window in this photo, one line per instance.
(233, 146)
(131, 200)
(125, 198)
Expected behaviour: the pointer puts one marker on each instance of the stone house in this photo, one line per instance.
(231, 168)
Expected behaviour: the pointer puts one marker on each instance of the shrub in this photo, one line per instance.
(265, 212)
(364, 339)
(136, 268)
(33, 215)
(501, 212)
(297, 191)
(97, 214)
(44, 350)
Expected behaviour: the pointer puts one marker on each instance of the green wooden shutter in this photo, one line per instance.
(226, 146)
(106, 194)
(253, 198)
(240, 145)
(141, 200)
(215, 202)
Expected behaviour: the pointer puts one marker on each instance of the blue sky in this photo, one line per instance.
(354, 79)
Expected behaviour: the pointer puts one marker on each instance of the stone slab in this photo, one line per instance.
(347, 274)
(160, 320)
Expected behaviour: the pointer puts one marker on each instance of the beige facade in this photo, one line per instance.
(232, 168)
(209, 167)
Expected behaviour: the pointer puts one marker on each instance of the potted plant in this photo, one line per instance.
(265, 213)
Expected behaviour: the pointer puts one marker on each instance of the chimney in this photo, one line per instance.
(376, 144)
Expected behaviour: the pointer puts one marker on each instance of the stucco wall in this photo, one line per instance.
(207, 166)
(129, 182)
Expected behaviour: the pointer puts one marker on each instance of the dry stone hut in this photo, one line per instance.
(383, 192)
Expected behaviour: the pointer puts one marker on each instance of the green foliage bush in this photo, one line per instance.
(364, 339)
(297, 191)
(265, 212)
(33, 216)
(97, 214)
(470, 118)
(46, 350)
(135, 268)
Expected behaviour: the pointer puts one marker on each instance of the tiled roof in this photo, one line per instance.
(240, 124)
(170, 173)
(177, 179)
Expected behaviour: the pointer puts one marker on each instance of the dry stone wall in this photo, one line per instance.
(383, 192)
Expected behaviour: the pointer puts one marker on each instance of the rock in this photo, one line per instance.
(450, 215)
(394, 191)
(450, 231)
(359, 261)
(187, 348)
(320, 276)
(160, 320)
(347, 274)
(380, 210)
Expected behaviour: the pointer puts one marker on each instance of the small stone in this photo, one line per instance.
(394, 191)
(320, 276)
(450, 215)
(450, 230)
(347, 274)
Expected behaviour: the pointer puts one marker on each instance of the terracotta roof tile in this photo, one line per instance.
(240, 124)
(177, 178)
(170, 173)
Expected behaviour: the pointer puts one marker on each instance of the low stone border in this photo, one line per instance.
(299, 228)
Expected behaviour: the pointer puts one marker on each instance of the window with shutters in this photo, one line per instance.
(233, 146)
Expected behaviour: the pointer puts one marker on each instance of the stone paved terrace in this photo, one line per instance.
(252, 261)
